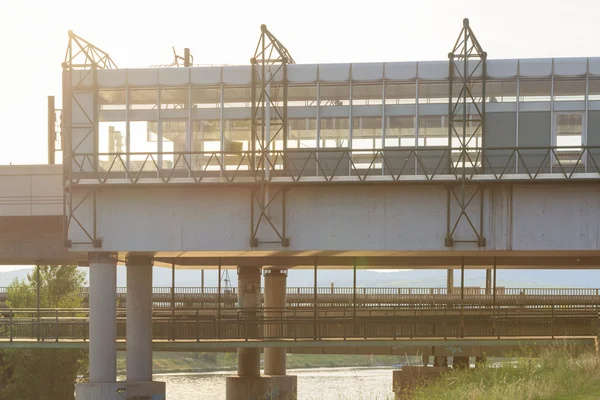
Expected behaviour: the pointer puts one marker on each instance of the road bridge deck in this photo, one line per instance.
(303, 323)
(472, 346)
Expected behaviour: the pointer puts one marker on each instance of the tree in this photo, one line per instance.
(40, 374)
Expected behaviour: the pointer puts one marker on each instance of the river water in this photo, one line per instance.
(313, 384)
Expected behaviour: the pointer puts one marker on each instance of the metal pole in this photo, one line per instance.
(488, 280)
(51, 130)
(173, 297)
(219, 300)
(354, 296)
(354, 290)
(37, 278)
(315, 299)
(462, 295)
(494, 292)
(202, 280)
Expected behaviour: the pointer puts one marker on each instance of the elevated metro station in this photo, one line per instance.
(463, 163)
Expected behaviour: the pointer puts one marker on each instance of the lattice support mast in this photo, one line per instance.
(269, 126)
(80, 81)
(466, 123)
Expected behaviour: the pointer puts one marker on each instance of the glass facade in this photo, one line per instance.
(357, 116)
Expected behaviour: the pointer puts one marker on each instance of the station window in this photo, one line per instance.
(501, 91)
(174, 98)
(112, 99)
(173, 142)
(433, 92)
(400, 93)
(535, 90)
(143, 99)
(335, 132)
(433, 130)
(594, 89)
(143, 140)
(569, 90)
(302, 133)
(568, 132)
(206, 139)
(111, 139)
(206, 135)
(366, 133)
(237, 134)
(237, 96)
(302, 95)
(206, 97)
(335, 95)
(367, 94)
(400, 131)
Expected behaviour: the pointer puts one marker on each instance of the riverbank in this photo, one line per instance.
(171, 362)
(554, 375)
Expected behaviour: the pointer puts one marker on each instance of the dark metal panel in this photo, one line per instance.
(501, 132)
(535, 130)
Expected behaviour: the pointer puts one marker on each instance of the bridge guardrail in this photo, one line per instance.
(343, 296)
(299, 323)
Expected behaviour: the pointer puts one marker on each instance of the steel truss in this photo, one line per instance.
(306, 165)
(466, 122)
(82, 60)
(269, 123)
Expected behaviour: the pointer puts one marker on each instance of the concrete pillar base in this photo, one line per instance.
(121, 391)
(406, 379)
(267, 387)
(460, 362)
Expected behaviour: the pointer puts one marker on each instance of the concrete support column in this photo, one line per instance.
(480, 361)
(249, 301)
(440, 361)
(275, 302)
(103, 317)
(103, 383)
(139, 318)
(450, 281)
(248, 384)
(488, 281)
(460, 362)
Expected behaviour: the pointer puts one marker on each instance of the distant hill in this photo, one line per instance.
(368, 278)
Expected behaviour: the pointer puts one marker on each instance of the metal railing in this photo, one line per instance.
(297, 323)
(325, 165)
(374, 290)
(208, 297)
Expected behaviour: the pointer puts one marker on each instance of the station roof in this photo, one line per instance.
(342, 72)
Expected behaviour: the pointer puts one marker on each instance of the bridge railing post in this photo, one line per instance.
(394, 334)
(444, 324)
(57, 325)
(10, 326)
(552, 321)
(84, 327)
(295, 326)
(197, 326)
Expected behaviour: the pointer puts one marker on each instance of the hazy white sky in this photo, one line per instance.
(33, 38)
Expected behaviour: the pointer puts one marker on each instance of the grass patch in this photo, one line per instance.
(552, 374)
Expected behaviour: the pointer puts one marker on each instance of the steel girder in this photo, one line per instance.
(269, 123)
(80, 113)
(466, 122)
